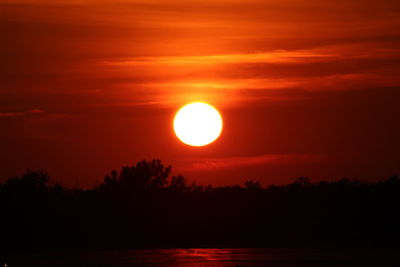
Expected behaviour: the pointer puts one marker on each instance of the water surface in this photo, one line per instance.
(212, 257)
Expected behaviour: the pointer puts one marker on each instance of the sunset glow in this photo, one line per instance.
(129, 128)
(306, 87)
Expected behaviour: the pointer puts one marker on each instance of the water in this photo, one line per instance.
(212, 257)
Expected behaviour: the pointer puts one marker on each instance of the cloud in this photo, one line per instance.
(34, 114)
(36, 110)
(206, 164)
(21, 113)
(11, 114)
(279, 56)
(82, 54)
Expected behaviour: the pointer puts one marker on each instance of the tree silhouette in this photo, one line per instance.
(145, 175)
(30, 181)
(252, 185)
(143, 206)
(178, 183)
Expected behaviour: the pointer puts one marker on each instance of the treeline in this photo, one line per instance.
(143, 206)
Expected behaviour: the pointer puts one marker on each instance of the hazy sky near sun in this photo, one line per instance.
(306, 88)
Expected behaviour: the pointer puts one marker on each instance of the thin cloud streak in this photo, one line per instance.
(11, 114)
(208, 164)
(19, 114)
(280, 56)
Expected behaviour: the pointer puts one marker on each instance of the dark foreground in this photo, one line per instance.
(213, 257)
(143, 207)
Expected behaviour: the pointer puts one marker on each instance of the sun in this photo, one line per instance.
(197, 124)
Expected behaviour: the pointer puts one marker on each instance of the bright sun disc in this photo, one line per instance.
(197, 124)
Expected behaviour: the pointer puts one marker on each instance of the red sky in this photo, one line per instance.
(306, 88)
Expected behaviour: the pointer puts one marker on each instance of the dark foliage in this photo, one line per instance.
(142, 206)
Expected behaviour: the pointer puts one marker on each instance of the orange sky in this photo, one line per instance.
(306, 88)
